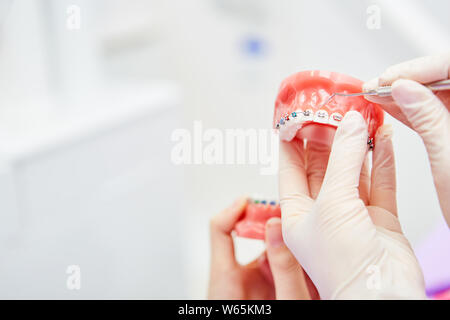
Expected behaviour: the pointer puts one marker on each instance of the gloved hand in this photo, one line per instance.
(349, 239)
(425, 112)
(275, 274)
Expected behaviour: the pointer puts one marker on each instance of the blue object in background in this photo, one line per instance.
(253, 46)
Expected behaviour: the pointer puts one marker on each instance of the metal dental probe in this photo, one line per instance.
(386, 91)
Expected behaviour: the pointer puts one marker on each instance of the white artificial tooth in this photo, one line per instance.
(308, 115)
(335, 119)
(321, 116)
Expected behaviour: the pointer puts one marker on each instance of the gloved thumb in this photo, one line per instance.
(288, 275)
(426, 113)
(431, 120)
(346, 159)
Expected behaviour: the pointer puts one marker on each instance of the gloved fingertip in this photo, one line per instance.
(274, 236)
(353, 123)
(378, 100)
(387, 77)
(407, 92)
(353, 116)
(370, 85)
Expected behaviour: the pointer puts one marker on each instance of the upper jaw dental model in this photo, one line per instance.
(302, 108)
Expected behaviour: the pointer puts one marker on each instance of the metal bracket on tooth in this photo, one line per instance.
(370, 143)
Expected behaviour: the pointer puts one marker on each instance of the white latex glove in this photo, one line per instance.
(423, 111)
(349, 240)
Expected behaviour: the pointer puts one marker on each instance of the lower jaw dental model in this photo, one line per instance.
(255, 217)
(303, 111)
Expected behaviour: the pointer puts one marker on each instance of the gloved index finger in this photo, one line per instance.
(293, 182)
(424, 70)
(316, 165)
(346, 159)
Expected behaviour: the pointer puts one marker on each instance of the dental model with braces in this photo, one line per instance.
(253, 223)
(303, 110)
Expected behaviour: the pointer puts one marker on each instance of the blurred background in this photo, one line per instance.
(91, 92)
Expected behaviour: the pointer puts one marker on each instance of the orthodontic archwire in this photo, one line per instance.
(287, 116)
(307, 113)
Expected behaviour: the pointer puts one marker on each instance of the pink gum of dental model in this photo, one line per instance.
(300, 109)
(255, 217)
